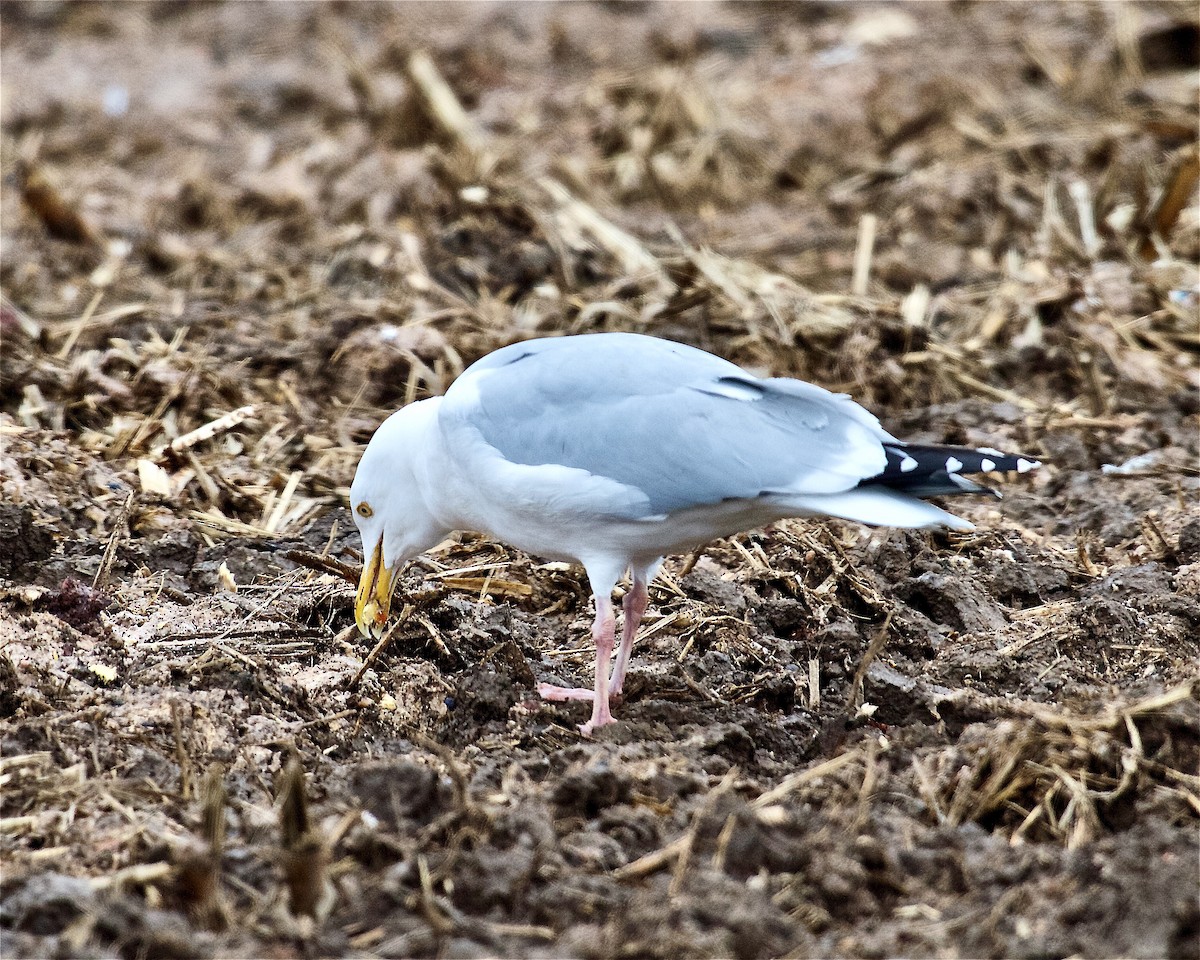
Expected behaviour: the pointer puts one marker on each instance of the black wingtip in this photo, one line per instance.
(928, 471)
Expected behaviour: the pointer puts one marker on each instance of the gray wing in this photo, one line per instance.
(681, 426)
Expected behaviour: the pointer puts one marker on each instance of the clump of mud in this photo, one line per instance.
(979, 221)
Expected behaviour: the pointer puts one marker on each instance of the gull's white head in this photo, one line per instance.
(391, 510)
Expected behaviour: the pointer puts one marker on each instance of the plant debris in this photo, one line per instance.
(236, 238)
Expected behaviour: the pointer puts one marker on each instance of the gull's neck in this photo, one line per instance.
(433, 469)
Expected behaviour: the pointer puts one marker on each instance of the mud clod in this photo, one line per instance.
(10, 687)
(589, 791)
(78, 604)
(952, 602)
(237, 237)
(401, 794)
(26, 544)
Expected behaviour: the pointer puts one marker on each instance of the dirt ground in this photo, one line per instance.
(236, 236)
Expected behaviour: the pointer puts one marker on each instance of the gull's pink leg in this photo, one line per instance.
(603, 632)
(634, 606)
(548, 691)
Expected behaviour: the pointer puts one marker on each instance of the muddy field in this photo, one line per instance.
(236, 236)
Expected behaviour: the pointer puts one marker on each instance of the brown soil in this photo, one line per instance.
(236, 236)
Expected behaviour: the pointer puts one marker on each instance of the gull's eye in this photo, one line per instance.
(364, 510)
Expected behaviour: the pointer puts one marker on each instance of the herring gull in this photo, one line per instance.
(615, 450)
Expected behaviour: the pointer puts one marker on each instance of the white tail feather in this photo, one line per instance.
(880, 507)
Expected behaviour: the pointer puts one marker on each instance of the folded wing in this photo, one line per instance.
(680, 426)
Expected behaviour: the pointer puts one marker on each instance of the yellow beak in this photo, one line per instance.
(374, 600)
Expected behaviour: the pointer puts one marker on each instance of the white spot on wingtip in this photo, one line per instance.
(990, 451)
(908, 465)
(1024, 466)
(986, 465)
(953, 464)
